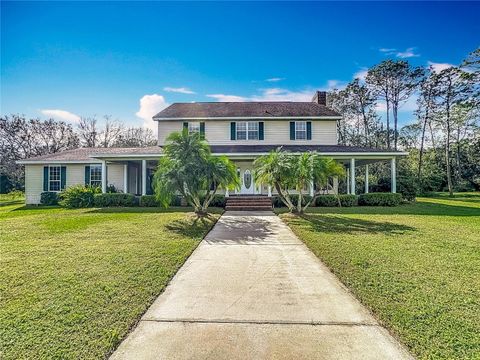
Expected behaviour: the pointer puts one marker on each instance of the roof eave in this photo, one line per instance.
(324, 117)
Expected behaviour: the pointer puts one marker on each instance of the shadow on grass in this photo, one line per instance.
(137, 209)
(11, 202)
(191, 226)
(339, 224)
(425, 207)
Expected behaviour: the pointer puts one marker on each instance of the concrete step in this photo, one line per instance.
(250, 202)
(248, 208)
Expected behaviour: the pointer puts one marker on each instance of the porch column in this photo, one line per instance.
(366, 179)
(144, 177)
(348, 180)
(269, 191)
(311, 188)
(104, 176)
(125, 178)
(335, 185)
(352, 176)
(226, 193)
(393, 168)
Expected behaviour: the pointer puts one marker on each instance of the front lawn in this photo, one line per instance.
(73, 282)
(417, 267)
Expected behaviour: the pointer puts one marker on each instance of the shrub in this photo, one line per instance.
(78, 196)
(407, 186)
(49, 198)
(380, 199)
(149, 201)
(218, 201)
(114, 199)
(277, 202)
(112, 189)
(348, 200)
(326, 200)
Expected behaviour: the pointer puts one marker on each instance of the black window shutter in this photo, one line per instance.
(87, 175)
(63, 177)
(185, 126)
(202, 130)
(309, 130)
(292, 130)
(233, 130)
(45, 178)
(260, 131)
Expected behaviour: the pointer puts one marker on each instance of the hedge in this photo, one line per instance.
(114, 199)
(380, 199)
(277, 202)
(151, 201)
(78, 196)
(49, 198)
(218, 201)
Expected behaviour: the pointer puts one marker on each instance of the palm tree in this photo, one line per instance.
(189, 169)
(285, 171)
(275, 169)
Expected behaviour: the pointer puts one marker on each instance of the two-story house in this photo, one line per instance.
(241, 130)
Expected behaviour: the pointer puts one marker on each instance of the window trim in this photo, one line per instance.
(50, 167)
(93, 166)
(304, 130)
(247, 137)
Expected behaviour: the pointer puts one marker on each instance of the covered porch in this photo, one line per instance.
(133, 174)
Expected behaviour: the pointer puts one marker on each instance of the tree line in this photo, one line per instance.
(443, 137)
(22, 138)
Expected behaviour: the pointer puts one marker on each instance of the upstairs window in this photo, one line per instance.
(193, 127)
(54, 178)
(252, 130)
(96, 175)
(247, 130)
(242, 130)
(300, 130)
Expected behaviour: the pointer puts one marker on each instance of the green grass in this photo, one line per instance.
(73, 282)
(417, 267)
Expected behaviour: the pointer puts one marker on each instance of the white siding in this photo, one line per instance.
(115, 175)
(165, 128)
(33, 183)
(75, 176)
(276, 132)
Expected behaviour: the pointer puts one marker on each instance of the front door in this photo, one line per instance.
(246, 176)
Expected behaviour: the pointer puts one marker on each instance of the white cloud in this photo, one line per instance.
(336, 84)
(58, 114)
(150, 105)
(227, 98)
(437, 67)
(407, 53)
(361, 74)
(278, 94)
(274, 79)
(181, 90)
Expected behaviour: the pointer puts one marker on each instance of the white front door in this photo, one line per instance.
(248, 185)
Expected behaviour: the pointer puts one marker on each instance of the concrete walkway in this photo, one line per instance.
(253, 290)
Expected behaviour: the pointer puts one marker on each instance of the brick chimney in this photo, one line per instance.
(320, 97)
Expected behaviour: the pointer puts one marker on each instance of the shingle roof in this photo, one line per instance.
(244, 109)
(88, 154)
(229, 149)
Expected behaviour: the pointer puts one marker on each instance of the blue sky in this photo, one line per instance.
(130, 60)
